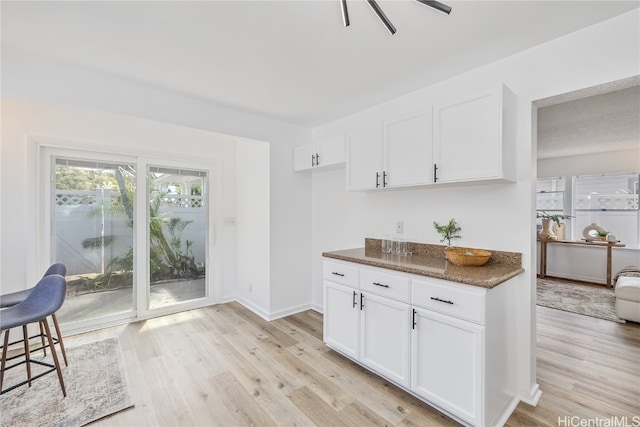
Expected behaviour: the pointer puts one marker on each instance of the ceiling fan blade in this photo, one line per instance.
(345, 13)
(382, 16)
(436, 5)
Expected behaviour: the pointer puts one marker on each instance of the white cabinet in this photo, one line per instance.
(394, 154)
(364, 159)
(450, 344)
(474, 136)
(372, 329)
(385, 337)
(326, 152)
(447, 363)
(342, 318)
(408, 151)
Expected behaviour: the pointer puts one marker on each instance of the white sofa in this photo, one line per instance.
(628, 298)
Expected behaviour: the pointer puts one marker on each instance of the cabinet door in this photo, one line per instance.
(364, 159)
(342, 318)
(331, 150)
(468, 138)
(302, 159)
(447, 359)
(408, 151)
(386, 338)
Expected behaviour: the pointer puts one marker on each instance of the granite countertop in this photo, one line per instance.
(428, 260)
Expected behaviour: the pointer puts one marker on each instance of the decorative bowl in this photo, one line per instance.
(467, 256)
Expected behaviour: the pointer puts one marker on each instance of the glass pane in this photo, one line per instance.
(93, 225)
(177, 235)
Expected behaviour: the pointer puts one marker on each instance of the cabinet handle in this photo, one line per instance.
(413, 320)
(317, 159)
(441, 300)
(361, 301)
(384, 179)
(380, 284)
(354, 299)
(435, 172)
(313, 160)
(377, 180)
(337, 274)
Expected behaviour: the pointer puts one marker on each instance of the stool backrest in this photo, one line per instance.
(57, 268)
(47, 295)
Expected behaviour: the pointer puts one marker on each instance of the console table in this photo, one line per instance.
(608, 245)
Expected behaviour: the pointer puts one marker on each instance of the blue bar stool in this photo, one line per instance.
(43, 301)
(9, 300)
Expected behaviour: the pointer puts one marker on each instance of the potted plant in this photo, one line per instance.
(548, 220)
(602, 235)
(449, 231)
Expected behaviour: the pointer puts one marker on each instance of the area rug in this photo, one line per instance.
(96, 386)
(593, 301)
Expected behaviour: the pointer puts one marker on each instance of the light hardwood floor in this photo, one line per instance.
(224, 365)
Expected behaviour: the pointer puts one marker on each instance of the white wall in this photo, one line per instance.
(28, 77)
(252, 225)
(492, 216)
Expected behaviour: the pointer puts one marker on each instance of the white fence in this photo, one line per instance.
(81, 215)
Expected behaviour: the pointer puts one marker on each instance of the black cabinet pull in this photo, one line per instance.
(384, 179)
(317, 159)
(361, 301)
(337, 274)
(380, 284)
(413, 326)
(354, 299)
(313, 160)
(377, 179)
(441, 300)
(435, 172)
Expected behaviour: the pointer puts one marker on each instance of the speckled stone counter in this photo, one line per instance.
(428, 260)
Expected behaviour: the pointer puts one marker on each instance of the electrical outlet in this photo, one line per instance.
(399, 227)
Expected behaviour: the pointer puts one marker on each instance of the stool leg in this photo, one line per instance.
(44, 346)
(27, 355)
(55, 356)
(64, 353)
(4, 357)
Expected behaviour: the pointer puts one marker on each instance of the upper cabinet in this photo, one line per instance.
(365, 149)
(470, 137)
(474, 137)
(394, 154)
(326, 152)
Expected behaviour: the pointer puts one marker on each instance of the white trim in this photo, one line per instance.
(289, 311)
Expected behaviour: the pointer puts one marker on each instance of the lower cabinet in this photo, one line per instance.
(447, 343)
(342, 318)
(370, 329)
(385, 341)
(447, 363)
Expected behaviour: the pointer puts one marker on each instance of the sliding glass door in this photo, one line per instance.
(133, 244)
(92, 234)
(177, 233)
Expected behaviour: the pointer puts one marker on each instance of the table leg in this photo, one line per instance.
(609, 265)
(543, 258)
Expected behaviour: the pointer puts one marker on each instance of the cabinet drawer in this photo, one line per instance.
(386, 285)
(342, 273)
(461, 301)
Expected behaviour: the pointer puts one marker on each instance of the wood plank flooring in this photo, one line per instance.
(225, 366)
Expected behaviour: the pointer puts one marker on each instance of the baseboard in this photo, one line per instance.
(506, 414)
(289, 311)
(533, 397)
(254, 308)
(317, 308)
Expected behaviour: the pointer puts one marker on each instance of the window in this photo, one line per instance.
(608, 200)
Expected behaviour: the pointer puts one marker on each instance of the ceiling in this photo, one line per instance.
(292, 61)
(591, 121)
